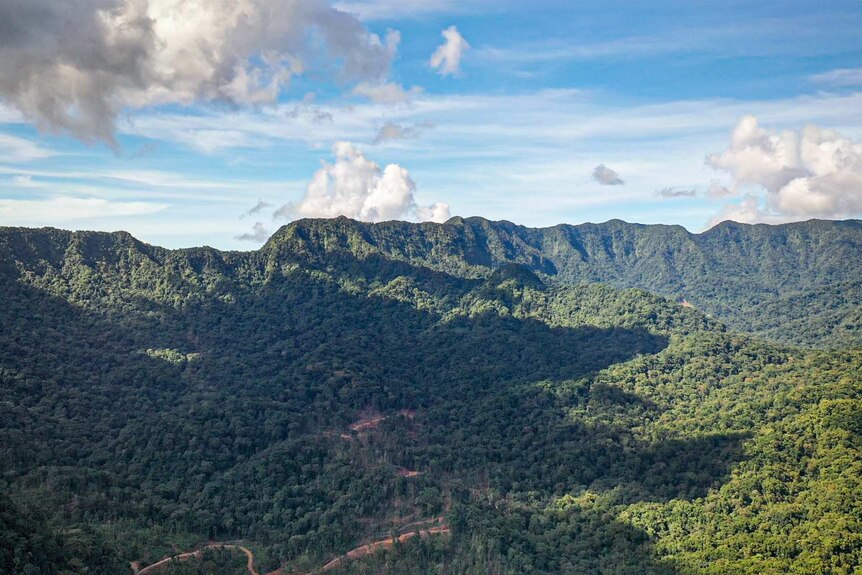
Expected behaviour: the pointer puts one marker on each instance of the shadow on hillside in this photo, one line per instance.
(299, 355)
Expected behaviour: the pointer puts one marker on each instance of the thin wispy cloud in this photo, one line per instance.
(23, 181)
(65, 210)
(555, 51)
(14, 149)
(552, 116)
(369, 10)
(159, 184)
(257, 208)
(675, 193)
(840, 78)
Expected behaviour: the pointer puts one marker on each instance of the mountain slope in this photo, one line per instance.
(319, 394)
(738, 273)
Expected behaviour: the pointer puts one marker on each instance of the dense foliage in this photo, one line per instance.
(784, 282)
(324, 392)
(30, 547)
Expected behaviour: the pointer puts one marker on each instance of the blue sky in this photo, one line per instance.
(538, 113)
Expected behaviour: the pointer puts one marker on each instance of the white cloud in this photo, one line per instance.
(390, 131)
(154, 184)
(756, 156)
(24, 181)
(606, 176)
(60, 210)
(14, 149)
(813, 173)
(675, 193)
(74, 66)
(495, 154)
(397, 9)
(484, 124)
(748, 211)
(258, 234)
(555, 50)
(386, 92)
(437, 212)
(446, 59)
(9, 115)
(358, 188)
(492, 154)
(840, 78)
(214, 141)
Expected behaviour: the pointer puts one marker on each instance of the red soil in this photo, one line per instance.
(370, 548)
(197, 554)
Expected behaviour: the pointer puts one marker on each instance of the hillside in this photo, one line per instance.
(741, 274)
(342, 385)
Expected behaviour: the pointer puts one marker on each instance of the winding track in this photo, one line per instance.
(197, 554)
(356, 553)
(368, 549)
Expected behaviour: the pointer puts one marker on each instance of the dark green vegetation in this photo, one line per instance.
(29, 546)
(151, 398)
(211, 562)
(805, 276)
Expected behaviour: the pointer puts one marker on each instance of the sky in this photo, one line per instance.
(191, 122)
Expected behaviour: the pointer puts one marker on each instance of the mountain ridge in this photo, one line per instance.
(738, 273)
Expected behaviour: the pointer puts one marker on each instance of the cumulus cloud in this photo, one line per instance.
(675, 193)
(813, 173)
(258, 234)
(748, 211)
(606, 176)
(436, 212)
(446, 59)
(759, 157)
(74, 66)
(358, 188)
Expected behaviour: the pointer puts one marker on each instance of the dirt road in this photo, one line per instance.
(358, 552)
(197, 554)
(369, 549)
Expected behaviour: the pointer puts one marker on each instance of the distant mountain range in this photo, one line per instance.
(797, 283)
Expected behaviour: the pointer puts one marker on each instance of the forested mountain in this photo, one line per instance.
(470, 383)
(750, 277)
